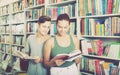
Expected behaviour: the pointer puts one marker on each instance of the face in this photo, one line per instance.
(62, 27)
(44, 28)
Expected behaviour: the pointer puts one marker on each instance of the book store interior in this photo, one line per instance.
(59, 37)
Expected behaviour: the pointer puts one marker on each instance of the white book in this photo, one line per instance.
(22, 55)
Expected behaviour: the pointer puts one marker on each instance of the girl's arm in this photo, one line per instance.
(47, 52)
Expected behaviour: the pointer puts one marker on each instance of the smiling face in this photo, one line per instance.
(43, 28)
(62, 27)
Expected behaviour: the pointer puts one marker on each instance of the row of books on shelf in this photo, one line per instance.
(18, 29)
(99, 7)
(17, 18)
(17, 6)
(5, 48)
(101, 27)
(4, 10)
(31, 3)
(57, 1)
(5, 61)
(12, 8)
(86, 7)
(5, 39)
(18, 40)
(4, 19)
(16, 48)
(14, 18)
(4, 29)
(5, 64)
(99, 48)
(100, 67)
(35, 13)
(31, 27)
(70, 9)
(73, 28)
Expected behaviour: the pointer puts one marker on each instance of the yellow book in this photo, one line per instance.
(81, 2)
(90, 7)
(97, 29)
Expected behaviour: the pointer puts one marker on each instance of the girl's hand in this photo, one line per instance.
(59, 62)
(38, 59)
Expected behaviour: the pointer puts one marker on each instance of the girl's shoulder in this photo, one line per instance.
(50, 40)
(74, 37)
(31, 37)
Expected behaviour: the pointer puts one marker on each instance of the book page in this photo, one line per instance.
(68, 57)
(22, 55)
(73, 55)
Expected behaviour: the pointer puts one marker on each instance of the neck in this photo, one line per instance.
(40, 35)
(62, 36)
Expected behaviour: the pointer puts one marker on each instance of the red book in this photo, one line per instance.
(110, 6)
(82, 27)
(97, 67)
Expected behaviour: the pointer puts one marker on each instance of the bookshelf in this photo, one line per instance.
(90, 20)
(12, 34)
(99, 36)
(5, 48)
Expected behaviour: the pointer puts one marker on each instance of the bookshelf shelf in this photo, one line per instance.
(17, 45)
(101, 57)
(35, 7)
(17, 12)
(19, 33)
(5, 43)
(17, 23)
(30, 33)
(62, 3)
(88, 36)
(4, 15)
(4, 24)
(5, 33)
(32, 20)
(101, 16)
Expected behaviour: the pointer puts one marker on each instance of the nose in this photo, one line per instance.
(63, 29)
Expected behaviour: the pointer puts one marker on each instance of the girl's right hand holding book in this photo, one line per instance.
(59, 62)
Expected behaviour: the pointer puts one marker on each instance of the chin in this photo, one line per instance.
(62, 34)
(44, 34)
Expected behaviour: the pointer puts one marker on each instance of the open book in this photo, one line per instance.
(68, 57)
(22, 55)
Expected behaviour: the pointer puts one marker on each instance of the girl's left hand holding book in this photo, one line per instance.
(38, 59)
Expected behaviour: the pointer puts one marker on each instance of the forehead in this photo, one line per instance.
(63, 23)
(47, 23)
